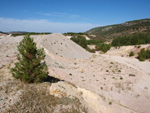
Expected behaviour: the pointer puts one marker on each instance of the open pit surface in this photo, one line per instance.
(108, 83)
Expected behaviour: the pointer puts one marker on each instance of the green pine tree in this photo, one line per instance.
(83, 42)
(31, 67)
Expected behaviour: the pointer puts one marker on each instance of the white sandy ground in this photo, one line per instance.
(104, 77)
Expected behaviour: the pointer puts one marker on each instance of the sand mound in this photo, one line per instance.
(124, 51)
(58, 48)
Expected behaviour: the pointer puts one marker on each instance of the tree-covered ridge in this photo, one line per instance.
(135, 25)
(131, 40)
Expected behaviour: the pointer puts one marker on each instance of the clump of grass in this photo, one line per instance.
(101, 88)
(131, 75)
(110, 103)
(121, 78)
(119, 70)
(70, 74)
(75, 63)
(111, 63)
(113, 71)
(107, 70)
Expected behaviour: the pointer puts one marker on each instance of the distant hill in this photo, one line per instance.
(3, 34)
(127, 28)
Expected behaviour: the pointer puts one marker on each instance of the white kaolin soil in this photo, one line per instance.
(108, 83)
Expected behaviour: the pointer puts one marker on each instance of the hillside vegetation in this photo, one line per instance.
(131, 40)
(81, 40)
(127, 28)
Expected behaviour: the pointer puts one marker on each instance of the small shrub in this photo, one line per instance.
(110, 103)
(121, 78)
(119, 70)
(107, 70)
(132, 75)
(70, 74)
(111, 63)
(90, 50)
(131, 53)
(101, 88)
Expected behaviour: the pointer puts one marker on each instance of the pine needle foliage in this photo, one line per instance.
(31, 67)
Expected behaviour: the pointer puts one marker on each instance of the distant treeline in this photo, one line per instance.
(3, 32)
(75, 34)
(131, 40)
(30, 33)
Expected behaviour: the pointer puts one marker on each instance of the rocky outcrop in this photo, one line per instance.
(93, 102)
(66, 89)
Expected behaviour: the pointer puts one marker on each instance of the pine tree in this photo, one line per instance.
(31, 67)
(83, 42)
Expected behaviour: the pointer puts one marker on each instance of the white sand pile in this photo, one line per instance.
(58, 48)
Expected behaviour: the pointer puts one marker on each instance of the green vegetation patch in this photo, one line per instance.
(131, 40)
(131, 53)
(143, 54)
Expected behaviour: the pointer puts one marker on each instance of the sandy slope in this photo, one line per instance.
(58, 49)
(101, 78)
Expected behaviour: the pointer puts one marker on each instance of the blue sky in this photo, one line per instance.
(68, 15)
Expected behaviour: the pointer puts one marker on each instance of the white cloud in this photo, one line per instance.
(58, 14)
(42, 25)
